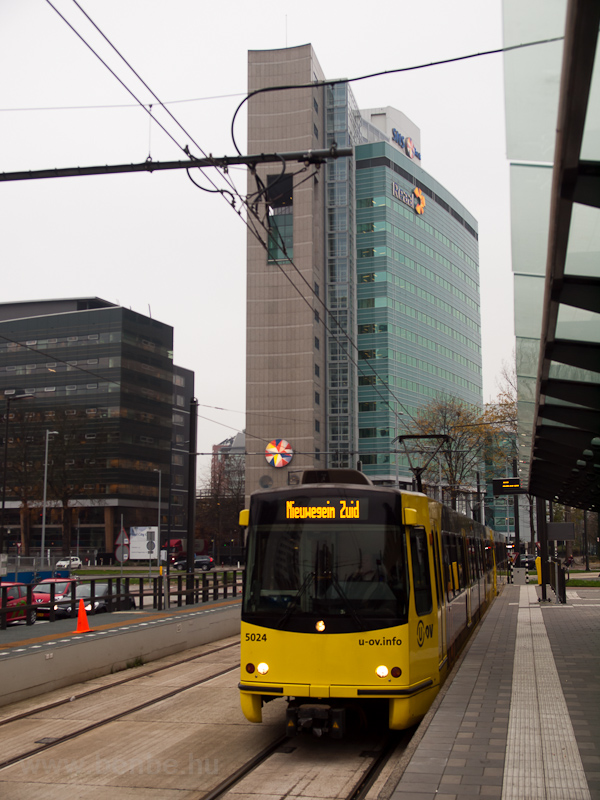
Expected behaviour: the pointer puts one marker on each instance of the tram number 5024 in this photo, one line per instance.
(256, 637)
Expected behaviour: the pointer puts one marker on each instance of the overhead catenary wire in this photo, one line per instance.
(185, 149)
(109, 106)
(113, 73)
(207, 98)
(147, 109)
(381, 73)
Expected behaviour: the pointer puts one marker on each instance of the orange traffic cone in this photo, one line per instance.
(82, 620)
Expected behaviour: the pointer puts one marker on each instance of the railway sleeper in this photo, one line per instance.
(319, 718)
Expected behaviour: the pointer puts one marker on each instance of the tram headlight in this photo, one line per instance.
(396, 672)
(250, 668)
(382, 672)
(262, 668)
(320, 626)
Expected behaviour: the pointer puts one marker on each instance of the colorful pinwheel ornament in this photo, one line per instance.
(279, 453)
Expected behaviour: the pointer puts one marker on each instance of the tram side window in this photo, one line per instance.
(456, 582)
(437, 569)
(471, 572)
(482, 555)
(474, 565)
(474, 560)
(421, 573)
(447, 566)
(460, 561)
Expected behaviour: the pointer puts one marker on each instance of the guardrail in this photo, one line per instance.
(145, 592)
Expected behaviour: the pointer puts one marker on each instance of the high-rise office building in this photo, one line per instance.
(363, 301)
(101, 388)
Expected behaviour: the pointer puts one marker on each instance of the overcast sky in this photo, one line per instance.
(158, 244)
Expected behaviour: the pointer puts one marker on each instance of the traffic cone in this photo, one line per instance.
(82, 620)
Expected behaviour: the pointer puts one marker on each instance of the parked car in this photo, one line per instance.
(71, 562)
(200, 562)
(526, 560)
(16, 600)
(42, 593)
(101, 604)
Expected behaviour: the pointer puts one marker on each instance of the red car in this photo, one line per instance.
(16, 600)
(62, 591)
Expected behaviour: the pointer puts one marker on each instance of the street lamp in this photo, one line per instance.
(159, 491)
(9, 399)
(158, 535)
(48, 435)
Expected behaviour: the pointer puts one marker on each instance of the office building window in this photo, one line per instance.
(280, 203)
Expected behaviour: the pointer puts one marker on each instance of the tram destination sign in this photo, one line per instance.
(508, 486)
(322, 509)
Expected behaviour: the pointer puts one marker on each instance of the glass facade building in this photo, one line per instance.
(104, 391)
(417, 276)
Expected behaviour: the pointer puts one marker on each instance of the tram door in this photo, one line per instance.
(468, 573)
(441, 594)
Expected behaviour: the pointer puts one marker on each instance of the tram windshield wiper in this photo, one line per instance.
(347, 604)
(294, 604)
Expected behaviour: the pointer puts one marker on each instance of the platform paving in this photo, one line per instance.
(521, 715)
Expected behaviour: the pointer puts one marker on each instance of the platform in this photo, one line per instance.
(520, 715)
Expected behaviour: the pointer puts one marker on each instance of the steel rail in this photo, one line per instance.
(97, 690)
(112, 718)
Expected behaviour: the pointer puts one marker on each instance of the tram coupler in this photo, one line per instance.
(321, 720)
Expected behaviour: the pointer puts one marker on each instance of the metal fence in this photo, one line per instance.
(129, 592)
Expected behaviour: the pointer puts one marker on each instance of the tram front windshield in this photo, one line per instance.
(353, 573)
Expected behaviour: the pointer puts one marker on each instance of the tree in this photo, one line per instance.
(222, 498)
(459, 457)
(24, 472)
(71, 467)
(475, 438)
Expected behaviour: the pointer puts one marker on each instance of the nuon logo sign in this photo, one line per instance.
(415, 200)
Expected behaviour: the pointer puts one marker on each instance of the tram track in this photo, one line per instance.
(379, 757)
(47, 743)
(98, 689)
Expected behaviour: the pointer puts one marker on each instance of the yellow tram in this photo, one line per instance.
(355, 592)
